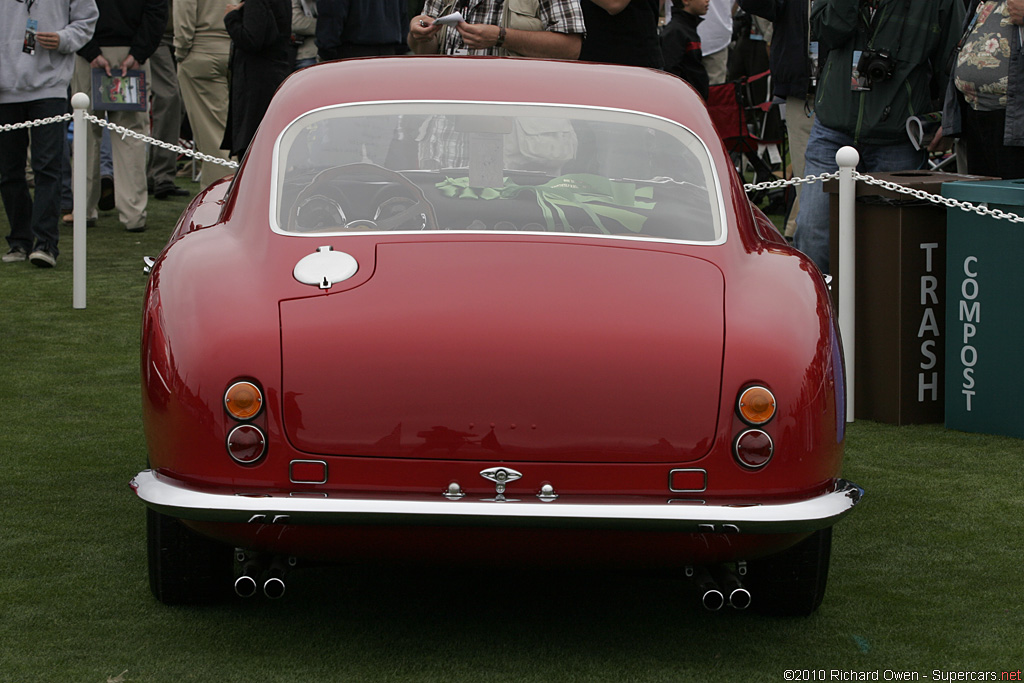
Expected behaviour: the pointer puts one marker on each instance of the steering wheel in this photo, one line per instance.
(321, 205)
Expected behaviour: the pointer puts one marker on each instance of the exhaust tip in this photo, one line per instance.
(713, 600)
(245, 586)
(273, 588)
(739, 598)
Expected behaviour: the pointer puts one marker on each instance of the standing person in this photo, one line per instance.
(127, 33)
(985, 96)
(790, 65)
(37, 46)
(622, 32)
(360, 28)
(260, 33)
(680, 43)
(715, 35)
(201, 48)
(554, 29)
(883, 57)
(539, 28)
(166, 112)
(304, 33)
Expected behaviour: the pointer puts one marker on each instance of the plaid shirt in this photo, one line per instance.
(561, 16)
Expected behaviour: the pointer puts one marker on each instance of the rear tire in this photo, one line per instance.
(184, 567)
(791, 583)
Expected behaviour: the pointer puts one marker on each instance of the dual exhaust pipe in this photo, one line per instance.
(255, 572)
(720, 588)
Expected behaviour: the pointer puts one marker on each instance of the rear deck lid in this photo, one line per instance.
(523, 351)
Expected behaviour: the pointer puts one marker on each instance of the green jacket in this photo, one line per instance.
(920, 35)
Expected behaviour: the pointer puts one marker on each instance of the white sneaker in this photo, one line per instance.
(14, 255)
(42, 258)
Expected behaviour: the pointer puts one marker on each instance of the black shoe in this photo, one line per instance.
(42, 258)
(106, 202)
(172, 191)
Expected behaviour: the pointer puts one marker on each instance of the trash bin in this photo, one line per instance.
(984, 316)
(900, 297)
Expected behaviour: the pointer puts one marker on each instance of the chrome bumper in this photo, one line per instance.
(177, 499)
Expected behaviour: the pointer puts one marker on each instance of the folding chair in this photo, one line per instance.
(751, 126)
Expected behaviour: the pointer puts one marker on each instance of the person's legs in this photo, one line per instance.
(717, 66)
(983, 140)
(166, 107)
(888, 158)
(13, 184)
(47, 148)
(82, 82)
(130, 194)
(798, 129)
(204, 88)
(812, 232)
(67, 200)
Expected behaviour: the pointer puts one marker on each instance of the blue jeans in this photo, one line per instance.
(34, 223)
(812, 223)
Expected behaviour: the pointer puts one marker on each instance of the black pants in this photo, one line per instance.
(33, 222)
(983, 137)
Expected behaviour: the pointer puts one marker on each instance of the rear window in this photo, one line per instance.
(457, 166)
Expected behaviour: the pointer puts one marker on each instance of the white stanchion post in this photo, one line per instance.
(848, 158)
(80, 103)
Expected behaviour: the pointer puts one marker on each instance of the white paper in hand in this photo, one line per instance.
(452, 19)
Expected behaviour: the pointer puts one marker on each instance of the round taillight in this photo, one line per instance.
(756, 405)
(246, 444)
(753, 449)
(243, 400)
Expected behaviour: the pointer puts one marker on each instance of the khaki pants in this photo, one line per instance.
(798, 127)
(129, 154)
(203, 79)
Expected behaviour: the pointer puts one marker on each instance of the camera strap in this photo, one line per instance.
(874, 20)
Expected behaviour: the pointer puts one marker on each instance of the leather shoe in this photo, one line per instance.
(69, 219)
(175, 191)
(106, 202)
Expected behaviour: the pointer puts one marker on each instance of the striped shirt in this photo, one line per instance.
(561, 16)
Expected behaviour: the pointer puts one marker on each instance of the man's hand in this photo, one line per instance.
(101, 63)
(478, 36)
(48, 40)
(423, 34)
(231, 7)
(940, 143)
(128, 63)
(1016, 9)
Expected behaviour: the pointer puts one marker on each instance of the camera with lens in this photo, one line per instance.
(877, 66)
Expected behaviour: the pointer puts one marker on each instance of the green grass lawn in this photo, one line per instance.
(926, 574)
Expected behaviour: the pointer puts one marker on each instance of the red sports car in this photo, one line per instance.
(482, 310)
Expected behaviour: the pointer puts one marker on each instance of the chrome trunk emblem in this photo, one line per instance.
(500, 476)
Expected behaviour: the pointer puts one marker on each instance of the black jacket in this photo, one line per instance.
(138, 24)
(260, 60)
(629, 37)
(359, 22)
(788, 60)
(680, 46)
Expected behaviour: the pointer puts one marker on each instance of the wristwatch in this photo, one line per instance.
(501, 37)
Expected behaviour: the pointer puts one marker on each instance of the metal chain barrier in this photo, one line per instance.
(792, 182)
(938, 199)
(894, 187)
(8, 127)
(124, 132)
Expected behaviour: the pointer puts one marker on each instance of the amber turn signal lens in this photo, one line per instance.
(243, 400)
(756, 405)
